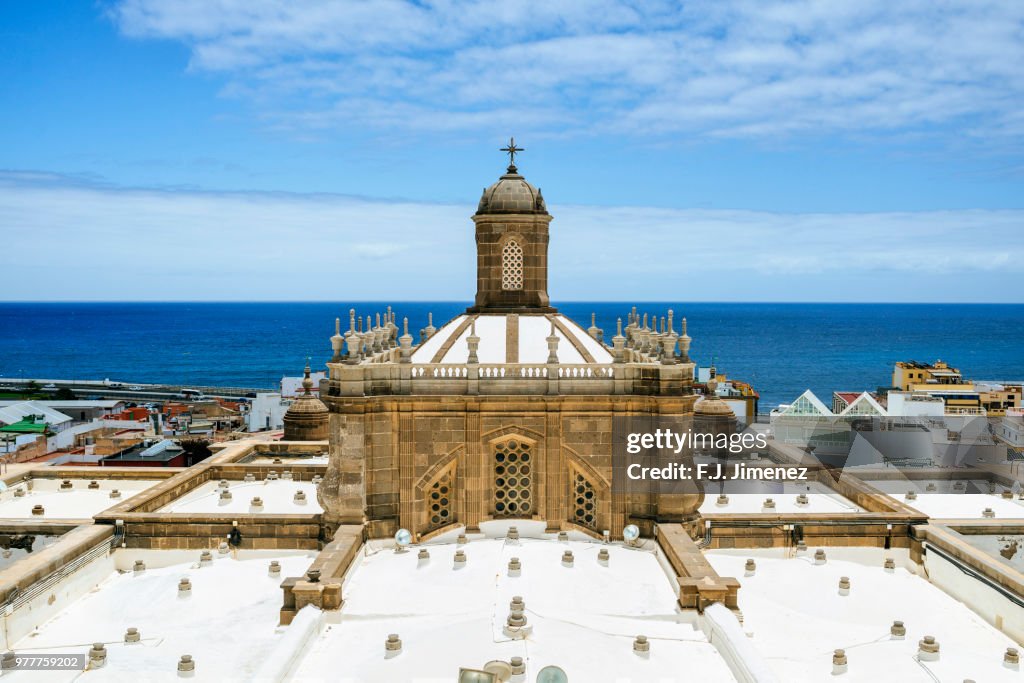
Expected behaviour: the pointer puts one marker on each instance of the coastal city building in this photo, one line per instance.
(447, 509)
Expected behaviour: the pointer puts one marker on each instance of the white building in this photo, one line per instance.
(292, 386)
(267, 412)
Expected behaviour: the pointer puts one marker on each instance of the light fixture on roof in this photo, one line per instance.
(630, 533)
(402, 539)
(552, 674)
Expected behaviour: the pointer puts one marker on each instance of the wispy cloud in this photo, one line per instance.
(74, 239)
(747, 68)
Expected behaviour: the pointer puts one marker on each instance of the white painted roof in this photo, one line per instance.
(493, 333)
(795, 617)
(16, 412)
(277, 496)
(584, 618)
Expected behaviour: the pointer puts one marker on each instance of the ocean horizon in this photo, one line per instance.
(781, 348)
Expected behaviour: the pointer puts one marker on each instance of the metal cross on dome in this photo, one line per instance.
(512, 149)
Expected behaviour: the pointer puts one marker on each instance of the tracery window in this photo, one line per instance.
(583, 502)
(439, 502)
(513, 479)
(512, 266)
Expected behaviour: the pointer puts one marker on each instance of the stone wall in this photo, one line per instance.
(387, 451)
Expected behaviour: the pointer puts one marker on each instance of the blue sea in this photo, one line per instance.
(782, 349)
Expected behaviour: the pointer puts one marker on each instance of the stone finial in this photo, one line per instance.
(249, 477)
(931, 487)
(132, 635)
(641, 646)
(275, 568)
(928, 649)
(97, 655)
(839, 662)
(750, 567)
(313, 575)
(66, 486)
(256, 503)
(461, 539)
(473, 344)
(337, 342)
(19, 492)
(93, 485)
(603, 556)
(722, 500)
(769, 504)
(515, 567)
(405, 343)
(801, 546)
(115, 494)
(819, 556)
(225, 497)
(898, 631)
(518, 666)
(460, 559)
(988, 513)
(619, 344)
(552, 341)
(423, 555)
(38, 510)
(205, 558)
(513, 533)
(684, 343)
(288, 475)
(889, 565)
(567, 559)
(186, 667)
(802, 499)
(844, 585)
(429, 330)
(139, 566)
(184, 588)
(392, 645)
(299, 498)
(594, 331)
(1011, 659)
(911, 495)
(563, 536)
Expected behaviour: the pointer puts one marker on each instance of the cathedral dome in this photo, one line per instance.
(512, 194)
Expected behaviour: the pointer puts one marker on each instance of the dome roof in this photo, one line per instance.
(306, 403)
(711, 404)
(511, 194)
(511, 339)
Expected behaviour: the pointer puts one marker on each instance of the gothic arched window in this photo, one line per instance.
(512, 266)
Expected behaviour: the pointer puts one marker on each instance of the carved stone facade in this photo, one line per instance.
(504, 412)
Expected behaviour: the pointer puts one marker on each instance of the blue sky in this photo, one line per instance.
(847, 151)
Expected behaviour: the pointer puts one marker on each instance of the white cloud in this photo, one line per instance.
(746, 68)
(76, 240)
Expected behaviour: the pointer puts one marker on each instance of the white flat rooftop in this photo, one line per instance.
(226, 624)
(820, 498)
(289, 460)
(796, 618)
(584, 618)
(946, 503)
(277, 496)
(80, 502)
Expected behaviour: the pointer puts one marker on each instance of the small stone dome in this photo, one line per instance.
(307, 417)
(711, 404)
(512, 194)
